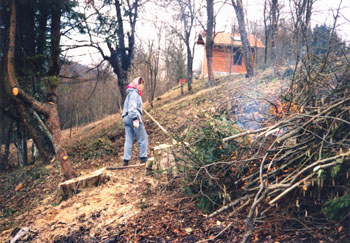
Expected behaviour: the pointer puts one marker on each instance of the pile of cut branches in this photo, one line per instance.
(310, 155)
(202, 160)
(296, 170)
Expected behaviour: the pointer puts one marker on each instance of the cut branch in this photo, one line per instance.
(36, 105)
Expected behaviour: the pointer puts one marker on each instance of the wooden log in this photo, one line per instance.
(126, 167)
(71, 187)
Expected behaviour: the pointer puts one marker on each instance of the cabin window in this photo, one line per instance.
(237, 58)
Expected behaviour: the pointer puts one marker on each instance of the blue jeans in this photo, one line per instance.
(141, 135)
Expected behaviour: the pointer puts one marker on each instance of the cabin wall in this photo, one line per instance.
(223, 62)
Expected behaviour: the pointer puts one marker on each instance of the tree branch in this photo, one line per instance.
(36, 105)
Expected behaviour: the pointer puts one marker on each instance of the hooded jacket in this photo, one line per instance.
(133, 104)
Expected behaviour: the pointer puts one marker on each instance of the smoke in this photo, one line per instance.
(256, 104)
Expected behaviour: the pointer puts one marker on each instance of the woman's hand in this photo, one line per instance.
(136, 123)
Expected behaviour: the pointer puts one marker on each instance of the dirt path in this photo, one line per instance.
(97, 209)
(94, 212)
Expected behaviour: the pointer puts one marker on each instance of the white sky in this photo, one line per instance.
(323, 13)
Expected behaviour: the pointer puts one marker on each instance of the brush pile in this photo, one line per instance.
(292, 176)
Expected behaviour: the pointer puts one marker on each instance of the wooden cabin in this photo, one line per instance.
(228, 53)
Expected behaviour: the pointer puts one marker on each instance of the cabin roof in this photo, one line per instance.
(230, 39)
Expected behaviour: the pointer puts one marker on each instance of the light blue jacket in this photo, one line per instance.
(133, 109)
(133, 104)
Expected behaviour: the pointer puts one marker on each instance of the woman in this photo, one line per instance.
(132, 114)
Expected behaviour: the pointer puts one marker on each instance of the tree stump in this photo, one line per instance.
(163, 160)
(73, 186)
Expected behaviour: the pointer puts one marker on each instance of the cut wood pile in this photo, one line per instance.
(290, 176)
(307, 162)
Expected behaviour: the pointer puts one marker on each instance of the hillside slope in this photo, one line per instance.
(131, 206)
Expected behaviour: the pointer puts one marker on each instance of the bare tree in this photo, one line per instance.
(118, 33)
(247, 50)
(301, 12)
(175, 61)
(152, 62)
(86, 92)
(271, 17)
(188, 16)
(267, 29)
(185, 11)
(209, 45)
(274, 25)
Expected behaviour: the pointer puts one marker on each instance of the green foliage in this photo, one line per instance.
(99, 145)
(205, 204)
(51, 81)
(66, 89)
(7, 212)
(335, 170)
(324, 38)
(207, 151)
(208, 145)
(96, 148)
(36, 173)
(183, 104)
(338, 208)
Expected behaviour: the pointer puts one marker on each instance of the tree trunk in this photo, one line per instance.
(51, 110)
(2, 128)
(30, 118)
(71, 187)
(121, 53)
(35, 154)
(7, 143)
(189, 68)
(38, 132)
(267, 32)
(153, 81)
(20, 140)
(121, 56)
(274, 22)
(122, 82)
(306, 23)
(247, 52)
(182, 87)
(209, 45)
(43, 18)
(302, 18)
(26, 24)
(25, 103)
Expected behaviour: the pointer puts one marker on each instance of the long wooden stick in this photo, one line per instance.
(245, 133)
(156, 122)
(160, 126)
(125, 167)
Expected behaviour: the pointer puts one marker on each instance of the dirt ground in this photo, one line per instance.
(131, 206)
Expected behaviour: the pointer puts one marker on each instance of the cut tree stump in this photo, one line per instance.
(71, 187)
(163, 160)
